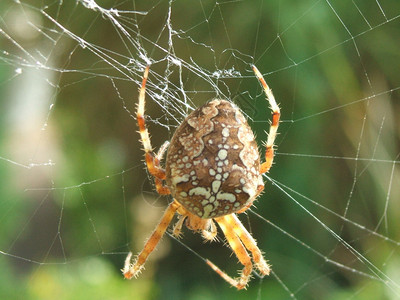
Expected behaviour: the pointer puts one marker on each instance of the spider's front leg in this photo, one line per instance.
(133, 269)
(241, 253)
(250, 244)
(239, 240)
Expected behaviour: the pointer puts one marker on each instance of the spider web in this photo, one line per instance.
(75, 197)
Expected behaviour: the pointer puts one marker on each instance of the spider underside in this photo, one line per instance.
(213, 172)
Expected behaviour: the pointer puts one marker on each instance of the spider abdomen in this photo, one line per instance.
(213, 163)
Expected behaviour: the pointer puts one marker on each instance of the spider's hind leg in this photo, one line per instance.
(273, 129)
(152, 162)
(160, 187)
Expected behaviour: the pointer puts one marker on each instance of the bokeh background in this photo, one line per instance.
(75, 197)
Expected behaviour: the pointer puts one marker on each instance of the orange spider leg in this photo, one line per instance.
(152, 162)
(177, 229)
(160, 187)
(226, 277)
(144, 134)
(269, 151)
(133, 269)
(240, 252)
(209, 232)
(249, 243)
(206, 226)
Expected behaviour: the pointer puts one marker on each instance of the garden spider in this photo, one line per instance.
(213, 172)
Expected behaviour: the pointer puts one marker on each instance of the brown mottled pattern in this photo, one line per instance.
(212, 165)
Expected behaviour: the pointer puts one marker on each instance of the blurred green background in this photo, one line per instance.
(75, 197)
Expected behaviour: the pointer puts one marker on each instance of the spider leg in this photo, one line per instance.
(210, 231)
(177, 229)
(133, 269)
(240, 252)
(226, 277)
(249, 242)
(151, 161)
(269, 151)
(160, 187)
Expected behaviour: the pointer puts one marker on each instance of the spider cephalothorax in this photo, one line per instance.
(213, 171)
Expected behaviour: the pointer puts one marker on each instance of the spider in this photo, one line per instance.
(213, 173)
